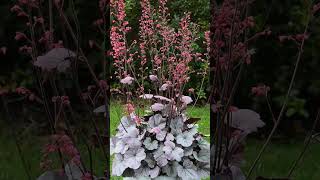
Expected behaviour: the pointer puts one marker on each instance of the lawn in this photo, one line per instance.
(274, 163)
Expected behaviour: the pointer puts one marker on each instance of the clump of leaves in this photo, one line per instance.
(160, 146)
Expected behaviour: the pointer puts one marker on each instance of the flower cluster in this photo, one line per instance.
(164, 52)
(260, 90)
(118, 32)
(60, 143)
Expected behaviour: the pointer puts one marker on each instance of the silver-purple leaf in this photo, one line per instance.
(118, 165)
(149, 144)
(185, 139)
(246, 120)
(133, 157)
(57, 58)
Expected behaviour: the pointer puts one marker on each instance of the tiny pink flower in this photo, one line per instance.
(260, 90)
(129, 108)
(22, 14)
(157, 107)
(127, 80)
(22, 90)
(138, 120)
(39, 20)
(16, 8)
(65, 100)
(191, 90)
(153, 78)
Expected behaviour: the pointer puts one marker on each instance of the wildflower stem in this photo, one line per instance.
(305, 147)
(284, 103)
(270, 109)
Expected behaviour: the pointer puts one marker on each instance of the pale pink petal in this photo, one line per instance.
(127, 80)
(186, 99)
(162, 98)
(164, 87)
(153, 78)
(146, 96)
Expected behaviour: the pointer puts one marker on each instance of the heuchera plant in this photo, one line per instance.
(164, 143)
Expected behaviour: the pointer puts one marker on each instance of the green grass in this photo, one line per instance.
(274, 163)
(278, 158)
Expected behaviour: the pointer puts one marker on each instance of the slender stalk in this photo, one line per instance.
(305, 147)
(270, 109)
(50, 22)
(284, 103)
(25, 164)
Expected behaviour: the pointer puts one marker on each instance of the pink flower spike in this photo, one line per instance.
(129, 108)
(138, 120)
(153, 78)
(157, 107)
(186, 99)
(127, 80)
